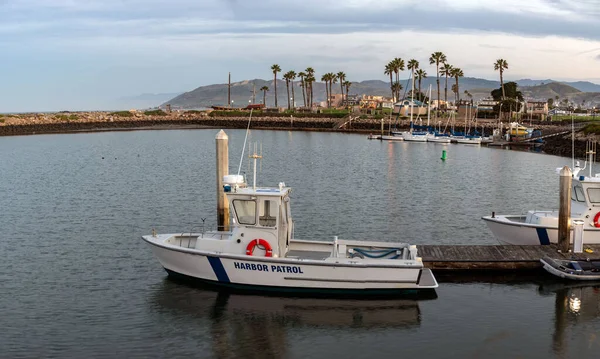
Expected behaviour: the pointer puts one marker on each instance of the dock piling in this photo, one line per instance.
(222, 143)
(564, 212)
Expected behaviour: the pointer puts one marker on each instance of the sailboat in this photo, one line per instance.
(468, 139)
(438, 136)
(412, 135)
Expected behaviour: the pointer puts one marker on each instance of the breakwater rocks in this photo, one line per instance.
(564, 145)
(98, 121)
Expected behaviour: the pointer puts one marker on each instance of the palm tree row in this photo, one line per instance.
(442, 68)
(307, 78)
(393, 68)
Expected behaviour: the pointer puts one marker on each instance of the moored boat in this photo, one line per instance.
(541, 227)
(572, 269)
(260, 253)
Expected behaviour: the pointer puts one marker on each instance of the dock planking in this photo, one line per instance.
(494, 257)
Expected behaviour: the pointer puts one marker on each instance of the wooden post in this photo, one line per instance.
(222, 142)
(564, 212)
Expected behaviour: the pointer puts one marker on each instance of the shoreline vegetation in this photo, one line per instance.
(74, 122)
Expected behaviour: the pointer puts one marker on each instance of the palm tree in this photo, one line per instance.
(275, 68)
(437, 58)
(501, 65)
(446, 70)
(389, 70)
(421, 74)
(302, 75)
(264, 89)
(289, 77)
(325, 78)
(310, 74)
(332, 79)
(342, 77)
(398, 65)
(292, 78)
(456, 73)
(413, 65)
(309, 81)
(397, 87)
(347, 85)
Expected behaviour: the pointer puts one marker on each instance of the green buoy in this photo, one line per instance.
(443, 155)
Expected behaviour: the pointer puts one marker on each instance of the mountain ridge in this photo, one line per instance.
(241, 91)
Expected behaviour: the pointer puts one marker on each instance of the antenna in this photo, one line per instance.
(591, 151)
(244, 146)
(255, 156)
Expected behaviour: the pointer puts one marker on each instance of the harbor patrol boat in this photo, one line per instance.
(260, 253)
(541, 227)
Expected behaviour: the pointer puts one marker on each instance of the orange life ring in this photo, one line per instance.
(261, 243)
(597, 220)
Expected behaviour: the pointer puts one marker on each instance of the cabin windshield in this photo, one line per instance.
(594, 195)
(577, 194)
(245, 211)
(267, 213)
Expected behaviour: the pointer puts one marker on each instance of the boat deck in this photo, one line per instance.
(494, 257)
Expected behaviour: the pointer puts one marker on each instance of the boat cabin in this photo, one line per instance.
(260, 216)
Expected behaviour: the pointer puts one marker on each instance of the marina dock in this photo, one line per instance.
(494, 257)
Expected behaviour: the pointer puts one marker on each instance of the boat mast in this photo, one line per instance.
(412, 94)
(429, 106)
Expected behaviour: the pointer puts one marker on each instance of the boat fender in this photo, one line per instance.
(263, 244)
(597, 220)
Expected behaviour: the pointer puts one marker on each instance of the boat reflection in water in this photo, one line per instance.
(238, 324)
(577, 308)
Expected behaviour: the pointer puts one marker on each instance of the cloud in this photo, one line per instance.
(111, 48)
(152, 17)
(598, 57)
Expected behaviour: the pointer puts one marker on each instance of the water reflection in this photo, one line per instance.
(575, 304)
(240, 323)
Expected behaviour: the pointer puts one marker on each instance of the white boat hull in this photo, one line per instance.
(439, 139)
(513, 230)
(469, 141)
(290, 274)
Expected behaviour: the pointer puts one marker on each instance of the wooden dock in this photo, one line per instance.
(494, 257)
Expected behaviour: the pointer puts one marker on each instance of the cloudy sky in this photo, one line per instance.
(86, 54)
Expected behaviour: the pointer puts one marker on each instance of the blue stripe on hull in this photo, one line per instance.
(426, 293)
(543, 236)
(217, 266)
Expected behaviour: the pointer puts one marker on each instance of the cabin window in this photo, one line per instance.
(594, 195)
(578, 194)
(267, 213)
(245, 210)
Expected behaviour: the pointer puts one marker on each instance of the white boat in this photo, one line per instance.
(260, 253)
(439, 139)
(572, 269)
(469, 140)
(413, 136)
(541, 227)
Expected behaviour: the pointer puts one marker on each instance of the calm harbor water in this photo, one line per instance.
(77, 281)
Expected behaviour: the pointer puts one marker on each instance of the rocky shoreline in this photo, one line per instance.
(29, 124)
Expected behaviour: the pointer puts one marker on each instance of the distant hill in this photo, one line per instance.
(143, 101)
(241, 92)
(550, 90)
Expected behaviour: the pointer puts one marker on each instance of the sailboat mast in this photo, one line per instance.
(412, 94)
(429, 106)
